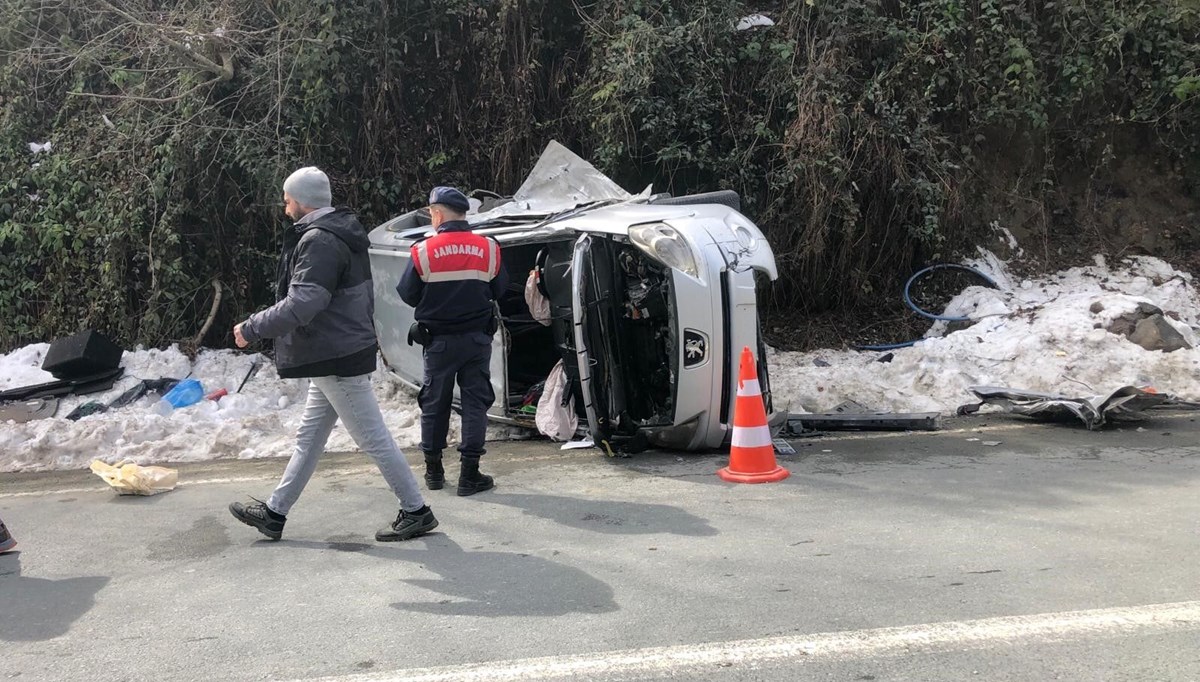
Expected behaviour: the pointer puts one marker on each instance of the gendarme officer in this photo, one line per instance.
(452, 281)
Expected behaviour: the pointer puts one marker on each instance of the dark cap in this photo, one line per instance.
(450, 198)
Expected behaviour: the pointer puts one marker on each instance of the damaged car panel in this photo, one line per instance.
(651, 299)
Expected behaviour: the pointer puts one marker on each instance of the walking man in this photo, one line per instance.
(323, 331)
(452, 280)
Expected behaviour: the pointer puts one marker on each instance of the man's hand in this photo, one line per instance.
(237, 336)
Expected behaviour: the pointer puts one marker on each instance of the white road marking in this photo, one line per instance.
(710, 658)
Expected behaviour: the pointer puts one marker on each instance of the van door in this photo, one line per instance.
(594, 314)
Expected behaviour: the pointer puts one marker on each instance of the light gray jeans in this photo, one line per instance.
(353, 400)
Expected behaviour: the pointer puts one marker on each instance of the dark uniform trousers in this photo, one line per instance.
(466, 358)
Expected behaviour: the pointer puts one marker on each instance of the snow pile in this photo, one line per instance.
(258, 422)
(1038, 335)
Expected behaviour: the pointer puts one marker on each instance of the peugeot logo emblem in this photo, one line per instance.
(695, 348)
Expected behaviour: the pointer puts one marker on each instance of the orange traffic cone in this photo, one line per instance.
(752, 454)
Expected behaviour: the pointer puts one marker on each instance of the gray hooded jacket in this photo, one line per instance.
(322, 323)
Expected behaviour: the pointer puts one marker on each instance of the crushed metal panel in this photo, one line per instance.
(1125, 403)
(560, 181)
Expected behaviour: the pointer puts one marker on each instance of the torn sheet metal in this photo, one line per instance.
(1125, 403)
(560, 181)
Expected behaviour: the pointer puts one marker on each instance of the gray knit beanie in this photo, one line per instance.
(309, 187)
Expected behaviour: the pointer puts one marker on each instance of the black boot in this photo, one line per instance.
(435, 475)
(470, 481)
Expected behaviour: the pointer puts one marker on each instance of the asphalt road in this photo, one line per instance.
(1056, 554)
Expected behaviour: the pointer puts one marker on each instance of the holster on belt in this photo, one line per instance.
(419, 334)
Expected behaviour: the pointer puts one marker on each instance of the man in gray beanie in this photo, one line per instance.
(323, 331)
(308, 187)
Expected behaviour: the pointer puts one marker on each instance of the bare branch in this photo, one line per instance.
(224, 70)
(148, 100)
(212, 313)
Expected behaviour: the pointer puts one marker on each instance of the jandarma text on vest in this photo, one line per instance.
(457, 249)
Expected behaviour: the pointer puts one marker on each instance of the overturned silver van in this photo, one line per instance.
(652, 299)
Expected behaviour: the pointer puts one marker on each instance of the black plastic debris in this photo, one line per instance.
(84, 385)
(854, 416)
(84, 354)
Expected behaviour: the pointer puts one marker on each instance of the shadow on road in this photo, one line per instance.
(37, 609)
(487, 584)
(500, 584)
(608, 516)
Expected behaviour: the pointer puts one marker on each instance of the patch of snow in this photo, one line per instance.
(260, 421)
(1043, 337)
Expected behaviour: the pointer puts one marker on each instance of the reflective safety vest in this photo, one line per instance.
(455, 256)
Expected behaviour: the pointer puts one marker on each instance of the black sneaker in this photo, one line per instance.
(7, 541)
(260, 516)
(408, 525)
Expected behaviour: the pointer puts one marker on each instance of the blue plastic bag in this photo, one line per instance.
(186, 392)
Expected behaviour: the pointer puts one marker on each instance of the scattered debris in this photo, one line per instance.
(1122, 404)
(128, 478)
(86, 409)
(185, 393)
(39, 147)
(990, 442)
(141, 388)
(254, 365)
(854, 416)
(82, 354)
(52, 389)
(818, 362)
(28, 410)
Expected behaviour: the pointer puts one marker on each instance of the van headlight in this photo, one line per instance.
(665, 244)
